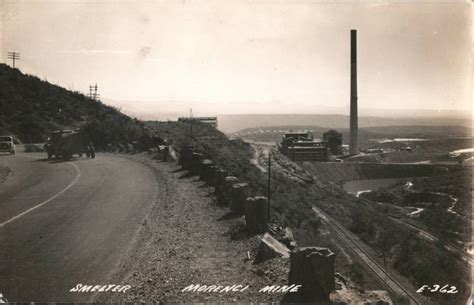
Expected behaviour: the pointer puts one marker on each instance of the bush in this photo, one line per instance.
(32, 108)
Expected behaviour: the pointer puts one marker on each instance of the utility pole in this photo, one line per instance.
(93, 92)
(14, 56)
(269, 179)
(191, 121)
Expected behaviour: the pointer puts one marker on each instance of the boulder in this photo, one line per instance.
(270, 248)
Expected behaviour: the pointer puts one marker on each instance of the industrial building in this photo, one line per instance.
(300, 146)
(211, 121)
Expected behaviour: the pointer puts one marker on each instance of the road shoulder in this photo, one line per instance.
(187, 239)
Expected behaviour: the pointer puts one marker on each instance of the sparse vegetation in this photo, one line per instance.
(291, 206)
(290, 203)
(31, 108)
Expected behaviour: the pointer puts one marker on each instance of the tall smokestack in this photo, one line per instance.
(354, 139)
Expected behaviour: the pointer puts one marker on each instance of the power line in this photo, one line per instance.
(14, 56)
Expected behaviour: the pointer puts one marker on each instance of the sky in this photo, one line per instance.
(239, 56)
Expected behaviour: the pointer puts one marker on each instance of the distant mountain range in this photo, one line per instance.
(328, 117)
(234, 123)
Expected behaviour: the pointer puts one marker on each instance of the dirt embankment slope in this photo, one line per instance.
(188, 239)
(340, 172)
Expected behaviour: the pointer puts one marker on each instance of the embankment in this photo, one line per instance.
(340, 172)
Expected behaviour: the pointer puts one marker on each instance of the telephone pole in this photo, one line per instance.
(269, 192)
(93, 92)
(14, 56)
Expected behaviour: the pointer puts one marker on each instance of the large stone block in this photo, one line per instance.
(250, 215)
(229, 181)
(195, 163)
(313, 268)
(256, 214)
(270, 248)
(211, 177)
(185, 156)
(240, 192)
(221, 174)
(204, 169)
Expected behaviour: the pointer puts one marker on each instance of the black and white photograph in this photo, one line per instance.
(238, 151)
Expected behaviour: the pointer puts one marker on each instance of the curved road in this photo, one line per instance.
(66, 223)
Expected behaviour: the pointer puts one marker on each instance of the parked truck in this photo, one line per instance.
(66, 143)
(7, 144)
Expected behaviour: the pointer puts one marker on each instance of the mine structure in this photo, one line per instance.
(301, 146)
(211, 121)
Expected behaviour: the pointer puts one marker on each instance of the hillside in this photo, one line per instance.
(230, 123)
(30, 108)
(291, 204)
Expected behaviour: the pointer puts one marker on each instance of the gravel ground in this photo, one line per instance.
(187, 239)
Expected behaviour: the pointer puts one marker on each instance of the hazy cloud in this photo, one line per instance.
(242, 56)
(94, 52)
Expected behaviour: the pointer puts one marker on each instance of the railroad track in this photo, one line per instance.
(452, 248)
(371, 263)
